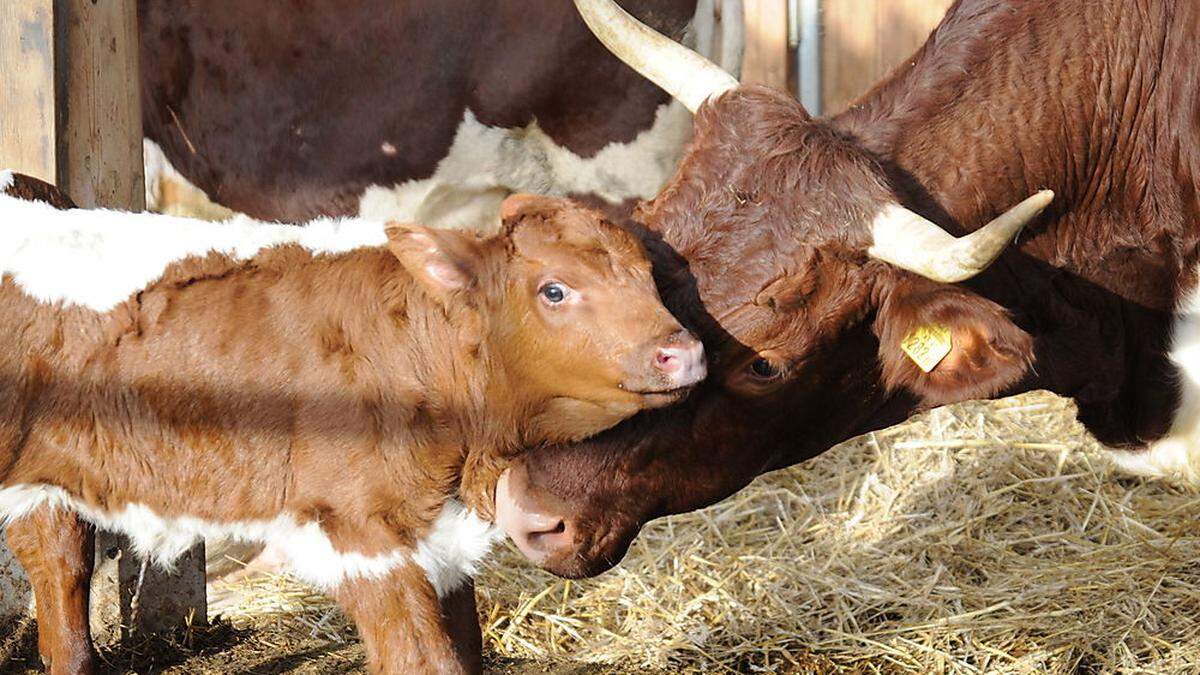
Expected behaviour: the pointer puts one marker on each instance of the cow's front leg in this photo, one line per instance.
(403, 628)
(57, 550)
(462, 620)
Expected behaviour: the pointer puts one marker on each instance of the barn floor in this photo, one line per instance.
(983, 537)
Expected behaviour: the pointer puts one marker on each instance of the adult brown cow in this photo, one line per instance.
(778, 242)
(427, 111)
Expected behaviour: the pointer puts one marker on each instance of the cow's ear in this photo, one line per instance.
(444, 262)
(945, 344)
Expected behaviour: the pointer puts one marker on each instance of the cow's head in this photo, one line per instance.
(783, 244)
(570, 315)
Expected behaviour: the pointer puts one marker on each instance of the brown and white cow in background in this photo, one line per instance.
(428, 111)
(346, 391)
(805, 251)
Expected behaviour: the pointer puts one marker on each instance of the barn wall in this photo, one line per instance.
(862, 40)
(857, 42)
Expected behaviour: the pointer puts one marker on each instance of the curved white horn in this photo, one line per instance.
(684, 74)
(911, 242)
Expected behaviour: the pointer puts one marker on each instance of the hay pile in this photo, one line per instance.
(982, 537)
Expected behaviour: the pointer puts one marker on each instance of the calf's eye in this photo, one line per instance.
(764, 369)
(554, 292)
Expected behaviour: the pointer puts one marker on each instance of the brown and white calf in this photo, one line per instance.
(347, 392)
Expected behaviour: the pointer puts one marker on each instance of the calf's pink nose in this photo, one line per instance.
(682, 362)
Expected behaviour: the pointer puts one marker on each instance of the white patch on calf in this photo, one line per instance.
(97, 259)
(457, 543)
(449, 553)
(1177, 455)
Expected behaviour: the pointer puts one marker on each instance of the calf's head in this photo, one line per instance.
(784, 245)
(573, 323)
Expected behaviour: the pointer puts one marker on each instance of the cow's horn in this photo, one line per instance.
(911, 242)
(684, 74)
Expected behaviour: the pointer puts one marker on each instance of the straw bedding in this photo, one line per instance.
(983, 537)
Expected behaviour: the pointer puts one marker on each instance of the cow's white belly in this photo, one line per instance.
(448, 554)
(1176, 456)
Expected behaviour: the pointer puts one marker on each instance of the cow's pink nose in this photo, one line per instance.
(682, 361)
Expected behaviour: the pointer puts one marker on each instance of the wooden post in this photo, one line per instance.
(70, 114)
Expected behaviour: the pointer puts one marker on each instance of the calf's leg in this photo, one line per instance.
(403, 628)
(57, 549)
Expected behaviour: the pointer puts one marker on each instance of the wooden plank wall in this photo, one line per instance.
(862, 40)
(70, 110)
(26, 87)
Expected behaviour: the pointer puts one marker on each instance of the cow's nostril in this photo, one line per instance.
(550, 542)
(667, 360)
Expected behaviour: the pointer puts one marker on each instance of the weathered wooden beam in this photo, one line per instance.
(70, 113)
(99, 139)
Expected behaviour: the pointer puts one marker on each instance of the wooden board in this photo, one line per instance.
(767, 56)
(27, 87)
(863, 40)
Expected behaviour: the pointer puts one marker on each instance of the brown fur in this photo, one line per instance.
(34, 190)
(761, 240)
(359, 391)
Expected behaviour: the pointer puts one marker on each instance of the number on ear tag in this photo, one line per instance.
(927, 345)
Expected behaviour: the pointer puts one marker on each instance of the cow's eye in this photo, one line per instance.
(554, 292)
(763, 369)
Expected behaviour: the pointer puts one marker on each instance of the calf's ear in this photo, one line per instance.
(444, 262)
(945, 344)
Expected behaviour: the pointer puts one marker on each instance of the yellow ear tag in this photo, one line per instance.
(927, 345)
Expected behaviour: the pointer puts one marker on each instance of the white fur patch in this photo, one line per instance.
(453, 549)
(448, 554)
(97, 259)
(1176, 456)
(6, 180)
